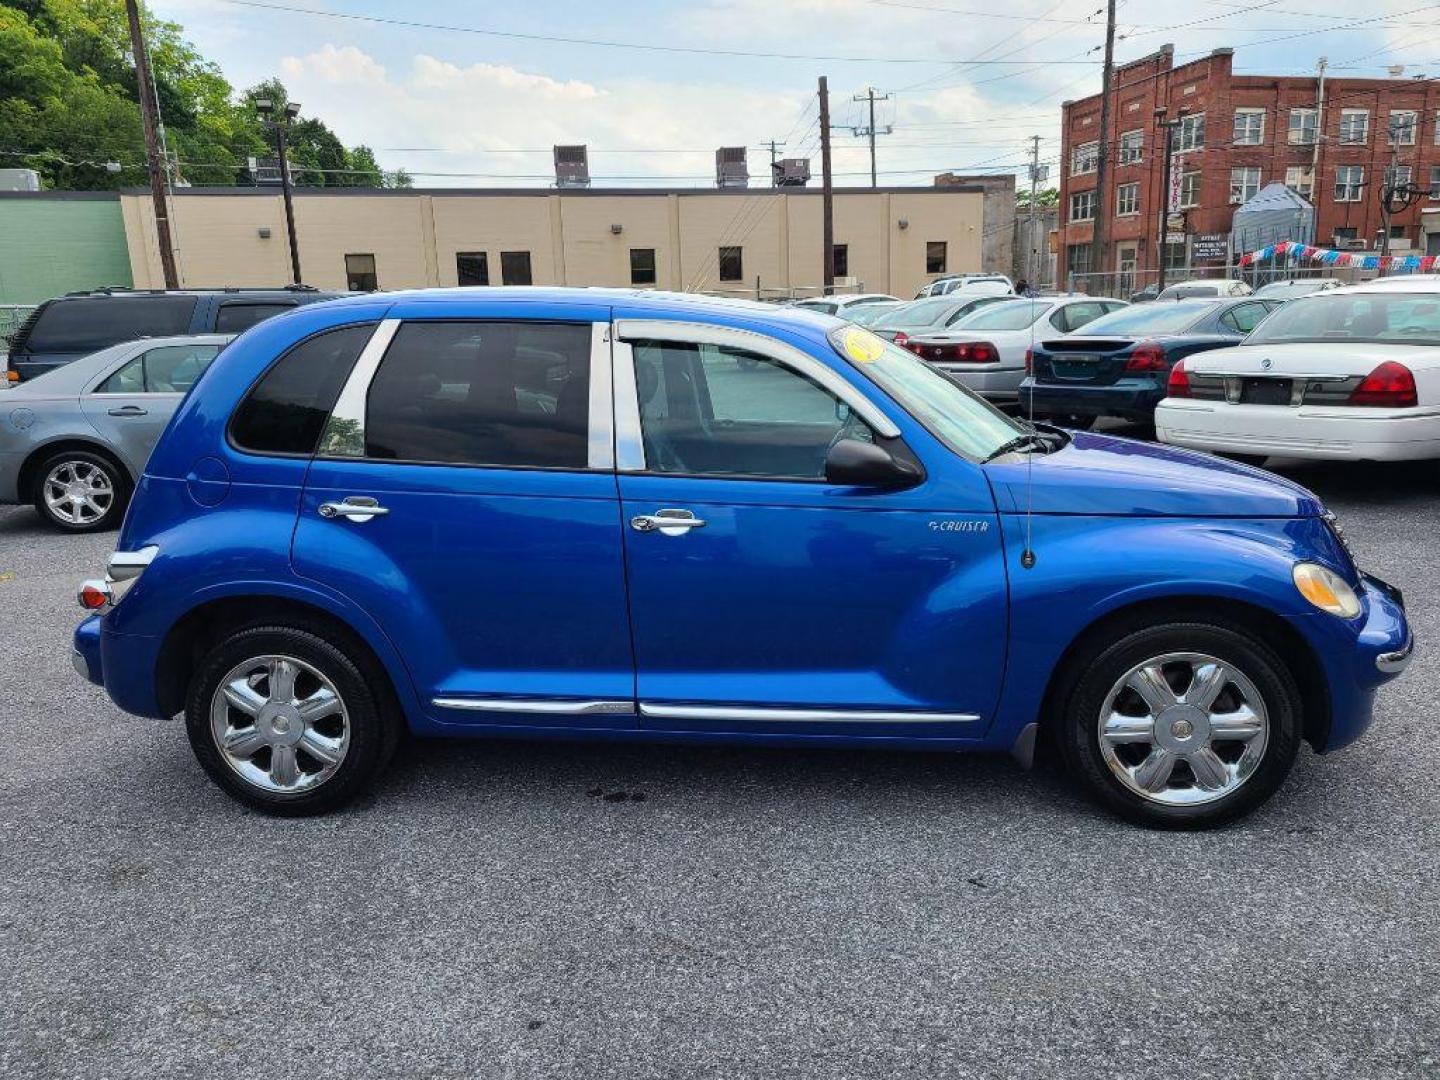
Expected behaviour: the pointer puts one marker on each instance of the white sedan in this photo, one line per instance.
(1348, 374)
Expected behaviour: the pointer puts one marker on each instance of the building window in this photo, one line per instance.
(1174, 254)
(1403, 123)
(1435, 181)
(840, 260)
(360, 273)
(1303, 127)
(1349, 180)
(1354, 126)
(1082, 206)
(1188, 134)
(1190, 190)
(472, 268)
(515, 268)
(732, 264)
(1249, 127)
(935, 256)
(1077, 258)
(1132, 147)
(1301, 180)
(1397, 232)
(642, 266)
(1085, 158)
(1127, 199)
(1397, 176)
(1244, 183)
(1344, 235)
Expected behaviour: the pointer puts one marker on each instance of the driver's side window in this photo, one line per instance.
(711, 410)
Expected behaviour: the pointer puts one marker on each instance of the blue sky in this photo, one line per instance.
(466, 109)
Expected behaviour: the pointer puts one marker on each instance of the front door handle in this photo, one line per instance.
(356, 508)
(128, 410)
(667, 522)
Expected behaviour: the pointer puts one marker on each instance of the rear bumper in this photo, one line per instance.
(124, 664)
(1304, 432)
(1131, 399)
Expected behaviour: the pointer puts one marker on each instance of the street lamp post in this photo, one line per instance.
(266, 108)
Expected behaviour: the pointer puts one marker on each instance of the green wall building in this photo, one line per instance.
(54, 242)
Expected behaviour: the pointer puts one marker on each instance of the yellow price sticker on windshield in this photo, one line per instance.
(861, 346)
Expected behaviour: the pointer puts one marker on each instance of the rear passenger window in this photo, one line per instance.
(483, 393)
(1244, 317)
(168, 369)
(233, 318)
(287, 409)
(96, 322)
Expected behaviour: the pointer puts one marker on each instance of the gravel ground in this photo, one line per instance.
(756, 914)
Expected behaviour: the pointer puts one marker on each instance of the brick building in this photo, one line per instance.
(1330, 142)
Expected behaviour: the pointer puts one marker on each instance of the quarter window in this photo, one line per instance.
(482, 393)
(360, 275)
(472, 268)
(285, 412)
(711, 410)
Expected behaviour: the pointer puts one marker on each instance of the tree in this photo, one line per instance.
(1045, 198)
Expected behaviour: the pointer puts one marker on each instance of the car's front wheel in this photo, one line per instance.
(286, 722)
(81, 491)
(1183, 725)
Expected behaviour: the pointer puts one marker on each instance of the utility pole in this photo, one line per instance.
(1102, 160)
(1034, 194)
(827, 191)
(1387, 194)
(145, 90)
(281, 121)
(1167, 130)
(774, 148)
(869, 96)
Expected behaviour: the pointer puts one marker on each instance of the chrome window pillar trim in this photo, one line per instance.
(629, 442)
(335, 440)
(600, 444)
(769, 347)
(547, 706)
(802, 716)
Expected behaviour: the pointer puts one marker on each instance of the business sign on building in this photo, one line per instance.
(1177, 181)
(1210, 246)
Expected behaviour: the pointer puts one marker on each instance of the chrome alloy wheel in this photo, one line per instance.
(78, 492)
(279, 724)
(1183, 729)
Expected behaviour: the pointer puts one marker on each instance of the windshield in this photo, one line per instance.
(870, 314)
(1154, 318)
(1295, 288)
(918, 313)
(967, 424)
(1014, 315)
(1366, 317)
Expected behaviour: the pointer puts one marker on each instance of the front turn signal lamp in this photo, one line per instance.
(1326, 590)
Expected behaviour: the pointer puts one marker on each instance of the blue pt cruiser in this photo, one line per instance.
(627, 515)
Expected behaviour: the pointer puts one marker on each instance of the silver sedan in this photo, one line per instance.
(74, 440)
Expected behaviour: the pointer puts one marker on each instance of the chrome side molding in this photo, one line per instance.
(800, 716)
(548, 706)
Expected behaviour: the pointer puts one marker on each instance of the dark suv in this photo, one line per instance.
(81, 323)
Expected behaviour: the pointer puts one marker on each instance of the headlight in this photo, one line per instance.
(1326, 590)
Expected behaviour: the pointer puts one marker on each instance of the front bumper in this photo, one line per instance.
(1335, 433)
(1360, 655)
(1132, 399)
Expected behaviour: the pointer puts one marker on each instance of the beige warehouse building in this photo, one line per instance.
(889, 240)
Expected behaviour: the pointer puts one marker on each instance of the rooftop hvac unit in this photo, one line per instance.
(572, 166)
(791, 172)
(265, 170)
(731, 170)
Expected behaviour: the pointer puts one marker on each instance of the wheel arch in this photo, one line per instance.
(1275, 631)
(29, 473)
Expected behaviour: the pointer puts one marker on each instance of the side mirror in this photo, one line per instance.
(853, 463)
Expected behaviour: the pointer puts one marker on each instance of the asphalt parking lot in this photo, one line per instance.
(497, 909)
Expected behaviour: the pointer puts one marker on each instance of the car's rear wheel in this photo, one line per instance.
(286, 722)
(81, 491)
(1181, 726)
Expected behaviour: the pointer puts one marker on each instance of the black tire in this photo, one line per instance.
(115, 477)
(373, 720)
(1088, 682)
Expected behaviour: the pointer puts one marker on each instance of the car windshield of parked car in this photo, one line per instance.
(1013, 315)
(1375, 317)
(1289, 288)
(871, 314)
(918, 313)
(1156, 318)
(963, 421)
(89, 323)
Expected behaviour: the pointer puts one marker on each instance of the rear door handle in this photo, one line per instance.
(667, 522)
(356, 508)
(128, 410)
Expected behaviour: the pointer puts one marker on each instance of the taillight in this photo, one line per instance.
(1179, 384)
(967, 352)
(1146, 356)
(1029, 361)
(1390, 385)
(902, 339)
(11, 375)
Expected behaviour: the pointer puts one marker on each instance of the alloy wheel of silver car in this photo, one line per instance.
(78, 492)
(279, 724)
(1183, 729)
